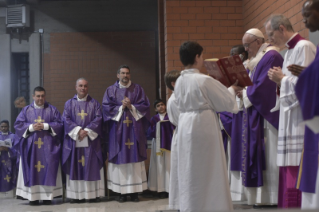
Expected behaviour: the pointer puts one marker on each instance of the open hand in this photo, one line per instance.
(295, 69)
(236, 87)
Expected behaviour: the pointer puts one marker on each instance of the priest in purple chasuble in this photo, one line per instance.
(259, 169)
(82, 160)
(161, 131)
(39, 128)
(126, 112)
(8, 157)
(307, 92)
(291, 127)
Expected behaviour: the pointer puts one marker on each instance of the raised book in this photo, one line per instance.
(227, 70)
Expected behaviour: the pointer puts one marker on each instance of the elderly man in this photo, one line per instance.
(291, 128)
(307, 92)
(39, 128)
(126, 111)
(82, 159)
(259, 169)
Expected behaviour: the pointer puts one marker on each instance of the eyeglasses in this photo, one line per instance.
(246, 45)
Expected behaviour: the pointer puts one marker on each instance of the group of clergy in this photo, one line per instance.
(271, 144)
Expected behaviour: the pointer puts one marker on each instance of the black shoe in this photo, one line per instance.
(257, 206)
(81, 201)
(122, 198)
(47, 202)
(73, 201)
(163, 195)
(36, 202)
(134, 197)
(95, 200)
(19, 197)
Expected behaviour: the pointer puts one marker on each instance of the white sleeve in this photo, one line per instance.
(74, 133)
(118, 115)
(247, 102)
(135, 113)
(313, 124)
(30, 128)
(46, 126)
(288, 98)
(93, 135)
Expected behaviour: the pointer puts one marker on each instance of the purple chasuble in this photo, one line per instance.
(127, 137)
(307, 92)
(226, 119)
(236, 141)
(8, 169)
(262, 95)
(82, 163)
(40, 151)
(167, 129)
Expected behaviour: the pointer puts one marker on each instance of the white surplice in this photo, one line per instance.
(202, 170)
(130, 177)
(173, 114)
(291, 127)
(160, 165)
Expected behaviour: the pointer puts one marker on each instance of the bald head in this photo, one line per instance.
(310, 13)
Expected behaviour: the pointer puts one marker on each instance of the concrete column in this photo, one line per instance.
(34, 62)
(5, 77)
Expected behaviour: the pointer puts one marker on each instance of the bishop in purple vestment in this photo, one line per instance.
(39, 129)
(8, 157)
(126, 112)
(82, 154)
(259, 99)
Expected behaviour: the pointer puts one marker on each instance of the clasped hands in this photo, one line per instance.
(275, 74)
(3, 148)
(82, 134)
(38, 126)
(126, 103)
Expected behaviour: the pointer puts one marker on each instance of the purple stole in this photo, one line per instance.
(226, 119)
(40, 151)
(307, 91)
(263, 100)
(8, 171)
(127, 137)
(167, 129)
(82, 163)
(236, 142)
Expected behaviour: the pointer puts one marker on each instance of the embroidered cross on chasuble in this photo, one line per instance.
(127, 121)
(129, 143)
(39, 120)
(82, 160)
(39, 166)
(7, 178)
(39, 143)
(82, 114)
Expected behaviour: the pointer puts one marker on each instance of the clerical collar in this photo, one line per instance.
(292, 42)
(4, 133)
(38, 107)
(83, 99)
(125, 86)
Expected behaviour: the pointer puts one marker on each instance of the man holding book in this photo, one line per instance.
(82, 159)
(291, 128)
(259, 169)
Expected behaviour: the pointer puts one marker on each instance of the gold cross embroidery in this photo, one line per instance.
(39, 120)
(129, 144)
(82, 114)
(127, 121)
(39, 166)
(82, 160)
(7, 178)
(39, 143)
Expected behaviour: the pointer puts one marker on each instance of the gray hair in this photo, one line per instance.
(278, 19)
(81, 78)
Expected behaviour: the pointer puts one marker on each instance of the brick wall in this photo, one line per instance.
(97, 56)
(255, 13)
(216, 25)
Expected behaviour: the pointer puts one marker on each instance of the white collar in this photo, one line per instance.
(38, 107)
(125, 86)
(83, 99)
(290, 39)
(162, 116)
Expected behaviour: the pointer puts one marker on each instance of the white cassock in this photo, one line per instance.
(237, 190)
(202, 170)
(173, 114)
(130, 177)
(291, 129)
(38, 192)
(81, 189)
(160, 166)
